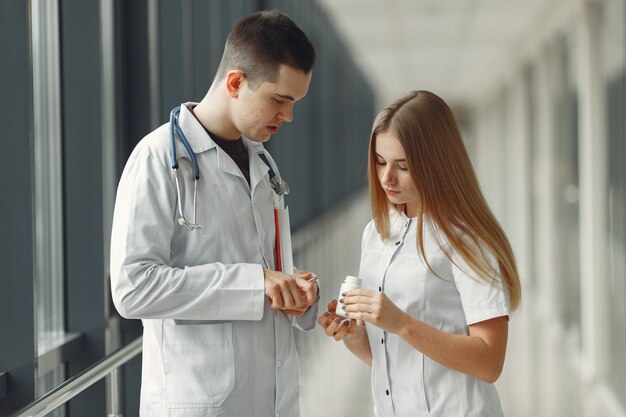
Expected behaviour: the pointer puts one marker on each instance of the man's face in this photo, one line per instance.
(259, 113)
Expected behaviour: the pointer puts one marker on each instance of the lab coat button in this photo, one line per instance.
(382, 341)
(397, 243)
(380, 288)
(387, 392)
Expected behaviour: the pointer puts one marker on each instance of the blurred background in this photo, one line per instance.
(538, 88)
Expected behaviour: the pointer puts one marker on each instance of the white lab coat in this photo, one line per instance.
(406, 383)
(212, 345)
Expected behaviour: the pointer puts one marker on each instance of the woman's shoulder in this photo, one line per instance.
(370, 230)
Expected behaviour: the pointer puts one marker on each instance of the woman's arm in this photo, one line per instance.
(480, 354)
(356, 341)
(354, 336)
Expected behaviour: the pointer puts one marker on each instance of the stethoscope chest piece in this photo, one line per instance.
(279, 186)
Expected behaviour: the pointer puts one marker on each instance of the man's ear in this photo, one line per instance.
(234, 80)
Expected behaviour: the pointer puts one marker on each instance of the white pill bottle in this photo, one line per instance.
(350, 283)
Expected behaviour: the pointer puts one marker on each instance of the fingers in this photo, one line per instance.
(363, 294)
(344, 327)
(285, 293)
(323, 320)
(337, 327)
(294, 312)
(363, 305)
(275, 294)
(308, 287)
(326, 320)
(327, 317)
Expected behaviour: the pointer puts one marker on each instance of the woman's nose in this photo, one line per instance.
(387, 177)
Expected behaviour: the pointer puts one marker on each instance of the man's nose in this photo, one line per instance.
(286, 113)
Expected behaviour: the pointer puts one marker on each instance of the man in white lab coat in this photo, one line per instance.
(217, 316)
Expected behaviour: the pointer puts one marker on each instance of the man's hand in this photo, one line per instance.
(293, 294)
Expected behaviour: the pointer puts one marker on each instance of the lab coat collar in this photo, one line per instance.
(258, 168)
(397, 215)
(201, 141)
(195, 133)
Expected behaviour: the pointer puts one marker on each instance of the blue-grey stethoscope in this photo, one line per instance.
(279, 186)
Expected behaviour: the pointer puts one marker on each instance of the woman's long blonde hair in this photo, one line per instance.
(448, 190)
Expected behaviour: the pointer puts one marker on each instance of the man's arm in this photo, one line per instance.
(143, 283)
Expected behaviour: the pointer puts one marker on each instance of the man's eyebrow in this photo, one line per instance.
(397, 160)
(285, 97)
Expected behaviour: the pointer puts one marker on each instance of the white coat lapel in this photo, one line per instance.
(258, 168)
(201, 141)
(225, 163)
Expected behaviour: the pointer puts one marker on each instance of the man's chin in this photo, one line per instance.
(261, 138)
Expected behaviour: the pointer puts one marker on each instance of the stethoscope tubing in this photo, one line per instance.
(279, 186)
(176, 130)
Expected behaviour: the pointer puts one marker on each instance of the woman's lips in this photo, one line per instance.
(392, 192)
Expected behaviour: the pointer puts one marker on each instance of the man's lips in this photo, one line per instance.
(272, 128)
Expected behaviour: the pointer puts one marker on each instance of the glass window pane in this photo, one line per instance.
(566, 177)
(48, 275)
(614, 63)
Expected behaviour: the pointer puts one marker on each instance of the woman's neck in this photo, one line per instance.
(411, 209)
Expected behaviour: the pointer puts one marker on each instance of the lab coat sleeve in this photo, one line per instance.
(482, 300)
(309, 318)
(143, 285)
(368, 234)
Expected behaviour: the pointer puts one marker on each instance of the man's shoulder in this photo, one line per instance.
(155, 142)
(152, 148)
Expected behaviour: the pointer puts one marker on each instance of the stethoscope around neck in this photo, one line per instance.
(279, 186)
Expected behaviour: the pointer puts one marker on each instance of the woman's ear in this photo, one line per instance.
(234, 79)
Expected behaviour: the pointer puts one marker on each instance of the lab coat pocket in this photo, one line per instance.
(199, 364)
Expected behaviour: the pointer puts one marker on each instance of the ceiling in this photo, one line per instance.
(450, 47)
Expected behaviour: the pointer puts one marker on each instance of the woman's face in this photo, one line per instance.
(393, 173)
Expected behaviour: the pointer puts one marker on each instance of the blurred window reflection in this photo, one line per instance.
(48, 296)
(566, 177)
(530, 85)
(614, 63)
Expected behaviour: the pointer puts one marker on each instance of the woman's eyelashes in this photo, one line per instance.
(382, 162)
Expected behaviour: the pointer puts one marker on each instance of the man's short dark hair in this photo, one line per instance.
(263, 41)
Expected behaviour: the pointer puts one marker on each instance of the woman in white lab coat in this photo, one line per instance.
(439, 276)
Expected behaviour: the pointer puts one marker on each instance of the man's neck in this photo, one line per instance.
(214, 117)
